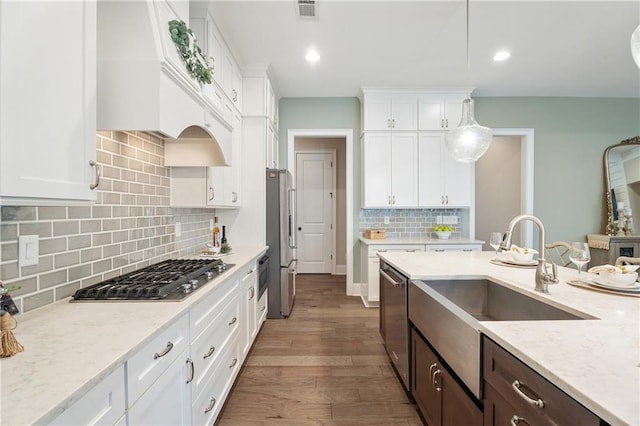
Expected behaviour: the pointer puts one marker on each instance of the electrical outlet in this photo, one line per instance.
(438, 220)
(450, 220)
(178, 229)
(386, 220)
(28, 250)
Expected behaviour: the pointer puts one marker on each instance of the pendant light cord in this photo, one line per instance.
(468, 94)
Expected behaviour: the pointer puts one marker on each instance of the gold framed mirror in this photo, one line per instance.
(622, 182)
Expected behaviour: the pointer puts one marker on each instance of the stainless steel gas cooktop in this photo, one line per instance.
(172, 280)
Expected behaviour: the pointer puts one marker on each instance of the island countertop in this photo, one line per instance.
(597, 362)
(70, 347)
(418, 240)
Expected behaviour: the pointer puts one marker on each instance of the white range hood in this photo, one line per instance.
(143, 84)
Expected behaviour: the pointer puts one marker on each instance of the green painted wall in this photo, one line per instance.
(326, 113)
(571, 135)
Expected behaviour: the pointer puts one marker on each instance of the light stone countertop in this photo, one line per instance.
(597, 362)
(70, 347)
(394, 241)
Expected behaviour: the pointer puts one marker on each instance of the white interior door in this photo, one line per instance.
(314, 187)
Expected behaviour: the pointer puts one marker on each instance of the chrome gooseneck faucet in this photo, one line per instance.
(543, 277)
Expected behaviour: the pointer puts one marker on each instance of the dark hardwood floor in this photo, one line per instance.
(324, 365)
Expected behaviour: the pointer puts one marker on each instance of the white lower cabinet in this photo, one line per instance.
(250, 286)
(261, 312)
(104, 404)
(168, 400)
(370, 287)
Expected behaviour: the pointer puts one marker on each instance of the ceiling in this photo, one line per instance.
(558, 48)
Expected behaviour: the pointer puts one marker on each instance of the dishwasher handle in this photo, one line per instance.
(396, 284)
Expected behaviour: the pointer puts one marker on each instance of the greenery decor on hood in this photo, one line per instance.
(196, 63)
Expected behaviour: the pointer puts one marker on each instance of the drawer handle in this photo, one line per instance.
(536, 403)
(233, 363)
(439, 250)
(96, 183)
(434, 380)
(212, 403)
(193, 370)
(263, 308)
(233, 321)
(211, 351)
(253, 293)
(410, 250)
(515, 420)
(431, 367)
(164, 352)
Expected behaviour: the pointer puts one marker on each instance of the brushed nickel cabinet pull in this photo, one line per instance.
(233, 363)
(253, 293)
(263, 308)
(233, 321)
(447, 122)
(431, 367)
(234, 197)
(515, 420)
(442, 123)
(212, 403)
(235, 96)
(193, 370)
(211, 192)
(212, 349)
(165, 351)
(516, 385)
(98, 172)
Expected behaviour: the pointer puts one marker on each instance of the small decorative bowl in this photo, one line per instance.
(522, 254)
(619, 278)
(443, 235)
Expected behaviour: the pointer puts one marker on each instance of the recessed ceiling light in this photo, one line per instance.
(501, 56)
(312, 56)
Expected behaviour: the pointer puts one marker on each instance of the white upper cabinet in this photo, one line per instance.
(390, 175)
(439, 112)
(390, 112)
(48, 102)
(443, 182)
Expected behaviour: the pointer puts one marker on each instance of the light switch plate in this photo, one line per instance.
(28, 250)
(450, 220)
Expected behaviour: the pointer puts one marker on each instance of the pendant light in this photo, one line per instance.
(469, 141)
(635, 46)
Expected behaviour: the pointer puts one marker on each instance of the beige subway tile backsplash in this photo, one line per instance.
(129, 227)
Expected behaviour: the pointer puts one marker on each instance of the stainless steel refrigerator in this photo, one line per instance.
(281, 239)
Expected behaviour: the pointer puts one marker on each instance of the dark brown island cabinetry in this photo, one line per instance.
(441, 400)
(515, 394)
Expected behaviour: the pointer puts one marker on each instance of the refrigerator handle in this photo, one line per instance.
(293, 241)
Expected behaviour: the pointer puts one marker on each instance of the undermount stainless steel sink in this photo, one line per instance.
(448, 312)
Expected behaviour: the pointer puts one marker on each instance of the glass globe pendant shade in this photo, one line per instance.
(635, 46)
(469, 141)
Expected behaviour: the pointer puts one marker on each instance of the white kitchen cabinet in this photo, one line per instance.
(232, 80)
(442, 181)
(260, 98)
(48, 102)
(250, 286)
(390, 112)
(370, 286)
(439, 112)
(261, 312)
(168, 400)
(104, 404)
(390, 169)
(207, 405)
(272, 148)
(150, 362)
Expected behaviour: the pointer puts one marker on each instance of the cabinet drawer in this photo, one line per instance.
(503, 372)
(152, 360)
(206, 407)
(102, 405)
(374, 249)
(206, 349)
(209, 308)
(262, 309)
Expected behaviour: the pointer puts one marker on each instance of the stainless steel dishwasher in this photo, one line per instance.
(394, 326)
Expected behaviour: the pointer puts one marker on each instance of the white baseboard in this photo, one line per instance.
(341, 270)
(354, 290)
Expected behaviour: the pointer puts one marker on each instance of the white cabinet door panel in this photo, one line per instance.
(376, 166)
(458, 182)
(404, 114)
(430, 171)
(377, 114)
(404, 165)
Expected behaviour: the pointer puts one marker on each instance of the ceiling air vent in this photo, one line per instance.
(307, 8)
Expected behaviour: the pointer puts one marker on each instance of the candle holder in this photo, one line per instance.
(620, 224)
(628, 229)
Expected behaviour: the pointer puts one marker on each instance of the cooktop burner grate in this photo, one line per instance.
(171, 279)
